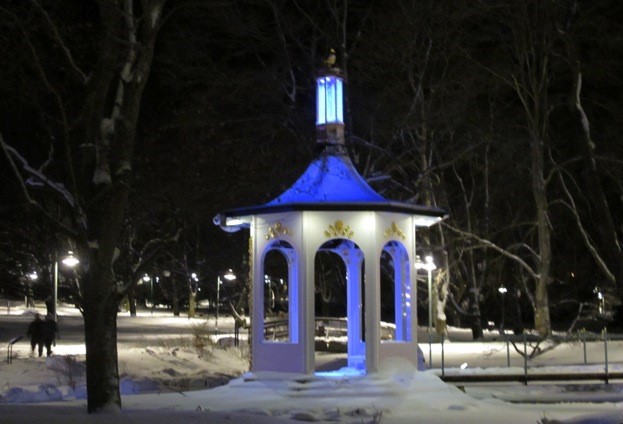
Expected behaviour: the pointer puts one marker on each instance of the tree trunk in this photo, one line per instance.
(131, 302)
(192, 302)
(518, 325)
(100, 329)
(541, 314)
(474, 312)
(174, 298)
(112, 130)
(441, 291)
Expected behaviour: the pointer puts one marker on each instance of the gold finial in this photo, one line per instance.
(330, 60)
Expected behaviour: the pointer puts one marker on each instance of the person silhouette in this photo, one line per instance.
(49, 333)
(35, 331)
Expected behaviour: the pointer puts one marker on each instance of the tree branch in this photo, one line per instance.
(587, 240)
(495, 247)
(58, 188)
(76, 72)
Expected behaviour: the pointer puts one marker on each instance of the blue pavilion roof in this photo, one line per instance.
(330, 182)
(329, 178)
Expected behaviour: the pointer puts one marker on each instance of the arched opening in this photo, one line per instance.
(279, 310)
(339, 306)
(395, 294)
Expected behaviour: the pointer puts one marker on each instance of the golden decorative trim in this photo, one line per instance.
(277, 230)
(393, 230)
(339, 229)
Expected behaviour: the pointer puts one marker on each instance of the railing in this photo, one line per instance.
(9, 349)
(276, 330)
(325, 328)
(521, 345)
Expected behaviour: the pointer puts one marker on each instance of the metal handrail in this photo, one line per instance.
(9, 349)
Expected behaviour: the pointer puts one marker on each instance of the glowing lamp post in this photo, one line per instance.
(193, 289)
(503, 290)
(166, 274)
(429, 265)
(70, 261)
(601, 301)
(229, 276)
(147, 278)
(28, 297)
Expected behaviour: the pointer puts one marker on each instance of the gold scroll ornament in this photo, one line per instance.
(277, 230)
(339, 229)
(394, 231)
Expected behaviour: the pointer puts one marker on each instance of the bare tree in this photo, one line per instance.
(533, 39)
(415, 89)
(90, 64)
(528, 44)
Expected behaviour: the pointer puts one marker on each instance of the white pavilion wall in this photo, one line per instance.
(267, 355)
(403, 232)
(358, 227)
(306, 232)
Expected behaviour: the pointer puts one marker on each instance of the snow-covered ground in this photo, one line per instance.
(172, 374)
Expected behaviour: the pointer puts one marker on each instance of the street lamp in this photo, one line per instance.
(193, 289)
(166, 274)
(229, 276)
(600, 301)
(429, 265)
(503, 290)
(70, 261)
(147, 278)
(28, 301)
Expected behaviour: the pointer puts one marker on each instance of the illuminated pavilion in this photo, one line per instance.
(332, 208)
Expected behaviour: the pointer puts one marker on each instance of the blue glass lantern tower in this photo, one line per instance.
(331, 207)
(330, 108)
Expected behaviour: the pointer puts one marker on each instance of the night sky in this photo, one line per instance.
(444, 105)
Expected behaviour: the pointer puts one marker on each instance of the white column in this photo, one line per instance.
(372, 295)
(399, 295)
(307, 292)
(413, 282)
(356, 347)
(257, 287)
(293, 295)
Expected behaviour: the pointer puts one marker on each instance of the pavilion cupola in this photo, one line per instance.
(330, 104)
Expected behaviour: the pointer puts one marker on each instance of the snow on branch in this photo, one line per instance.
(126, 73)
(153, 248)
(7, 152)
(155, 14)
(577, 103)
(39, 177)
(148, 255)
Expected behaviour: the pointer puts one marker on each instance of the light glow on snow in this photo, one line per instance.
(36, 389)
